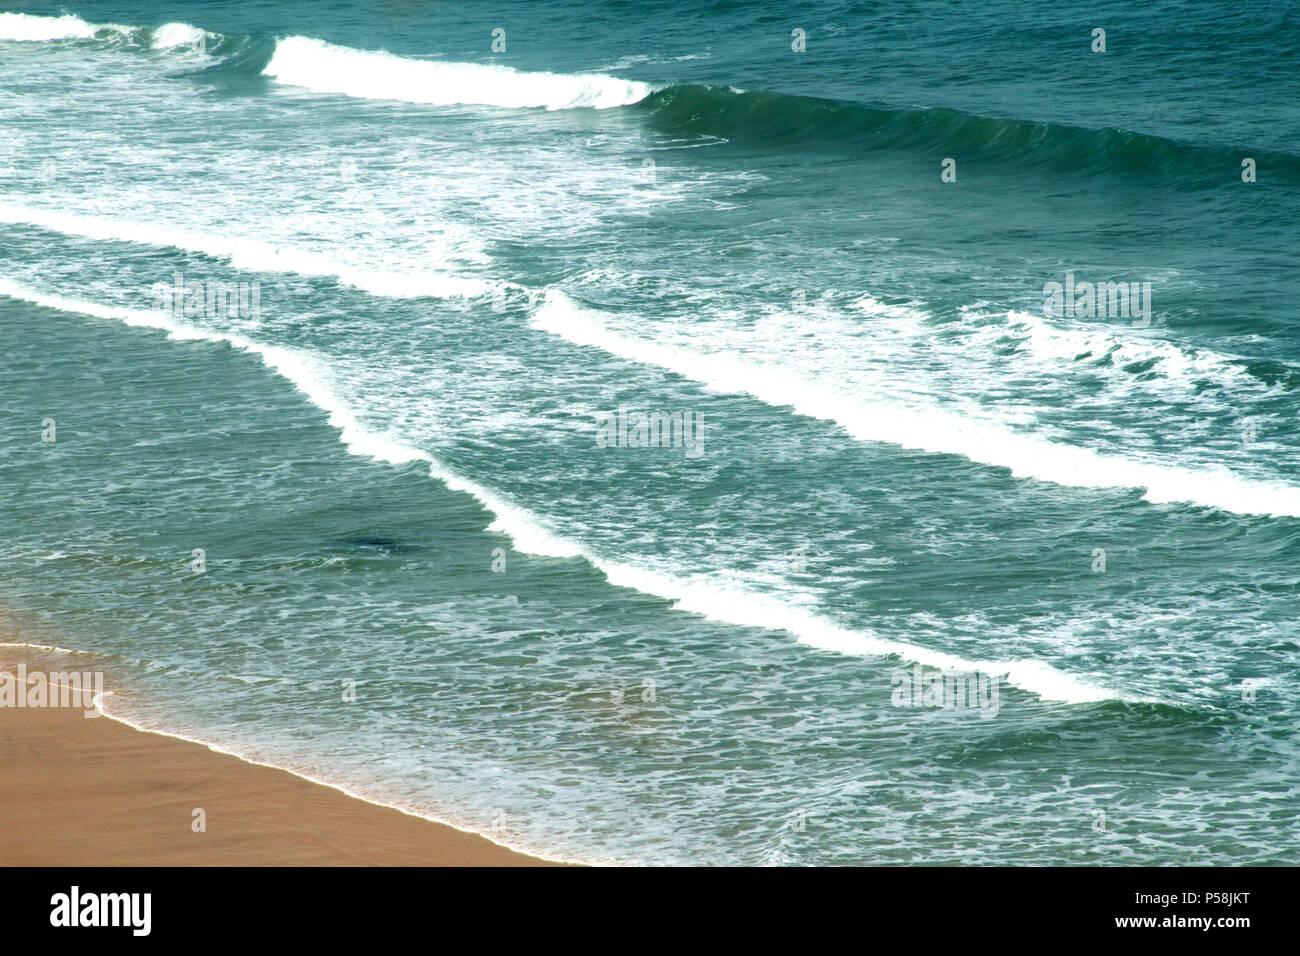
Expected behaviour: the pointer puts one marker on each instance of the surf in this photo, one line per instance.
(378, 75)
(255, 255)
(702, 595)
(24, 27)
(929, 429)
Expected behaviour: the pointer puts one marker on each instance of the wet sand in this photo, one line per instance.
(78, 791)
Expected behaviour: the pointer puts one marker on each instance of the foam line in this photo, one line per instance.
(928, 429)
(252, 254)
(325, 68)
(697, 595)
(28, 28)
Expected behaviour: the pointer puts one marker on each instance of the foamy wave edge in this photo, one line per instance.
(26, 27)
(255, 255)
(303, 775)
(312, 64)
(529, 535)
(931, 430)
(171, 35)
(377, 75)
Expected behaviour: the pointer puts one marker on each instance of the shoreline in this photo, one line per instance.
(102, 791)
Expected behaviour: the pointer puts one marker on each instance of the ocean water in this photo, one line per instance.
(465, 234)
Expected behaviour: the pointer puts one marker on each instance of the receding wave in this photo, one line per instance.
(699, 594)
(929, 429)
(326, 68)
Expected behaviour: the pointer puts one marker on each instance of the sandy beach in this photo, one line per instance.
(78, 791)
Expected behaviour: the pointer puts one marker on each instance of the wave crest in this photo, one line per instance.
(29, 28)
(377, 75)
(925, 428)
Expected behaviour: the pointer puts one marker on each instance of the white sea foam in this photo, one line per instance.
(924, 428)
(375, 74)
(747, 608)
(700, 594)
(1045, 340)
(254, 255)
(326, 68)
(171, 35)
(39, 647)
(26, 27)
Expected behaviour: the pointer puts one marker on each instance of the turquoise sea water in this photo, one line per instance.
(457, 260)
